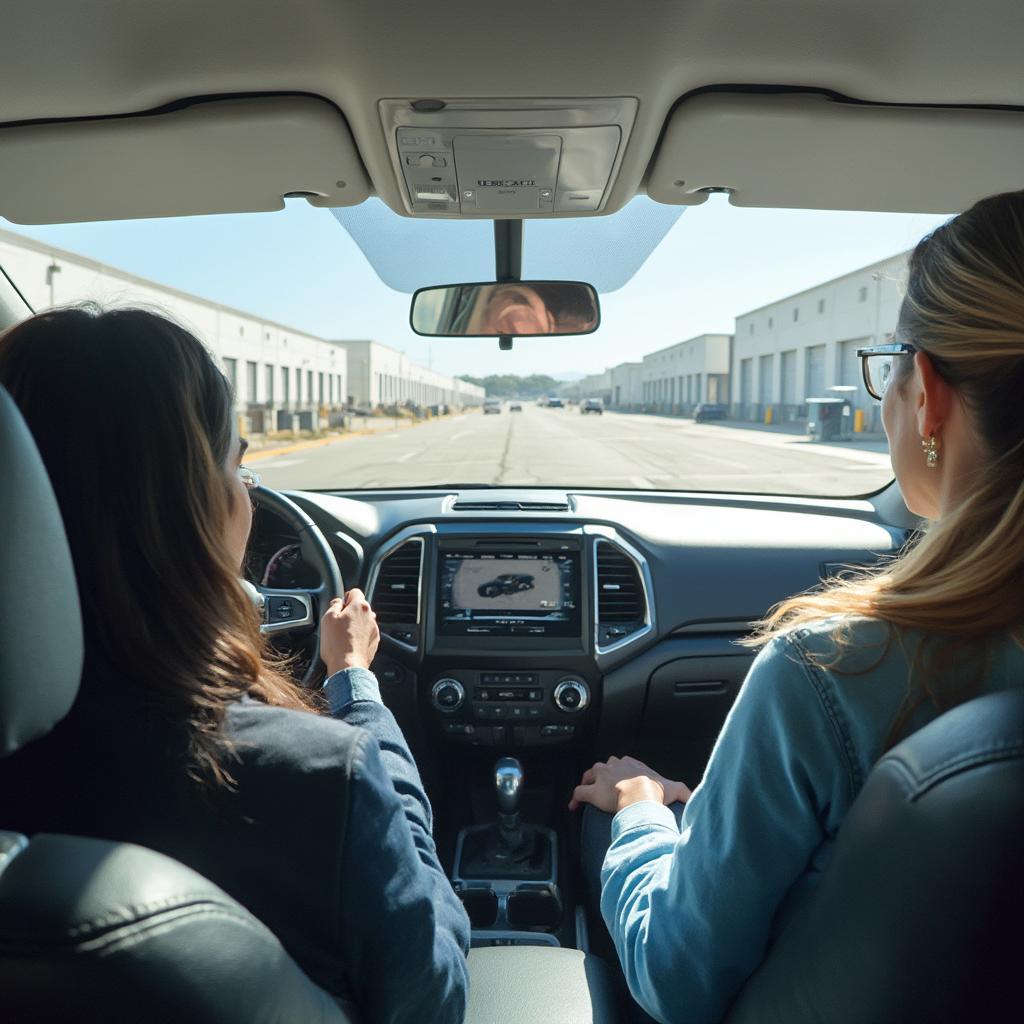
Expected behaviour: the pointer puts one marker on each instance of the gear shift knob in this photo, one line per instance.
(508, 780)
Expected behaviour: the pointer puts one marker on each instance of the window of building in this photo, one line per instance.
(269, 379)
(241, 330)
(796, 313)
(771, 323)
(821, 305)
(751, 328)
(231, 369)
(862, 294)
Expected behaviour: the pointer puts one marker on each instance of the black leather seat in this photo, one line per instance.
(919, 915)
(89, 929)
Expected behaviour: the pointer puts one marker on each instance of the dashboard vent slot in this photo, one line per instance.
(510, 506)
(396, 592)
(620, 595)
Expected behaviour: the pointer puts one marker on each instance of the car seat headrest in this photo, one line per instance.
(41, 646)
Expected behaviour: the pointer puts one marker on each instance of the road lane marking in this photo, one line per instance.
(408, 455)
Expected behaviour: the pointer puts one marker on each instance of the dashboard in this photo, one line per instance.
(532, 620)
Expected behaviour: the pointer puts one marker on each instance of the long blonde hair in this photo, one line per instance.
(962, 583)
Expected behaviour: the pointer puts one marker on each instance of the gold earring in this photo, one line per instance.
(931, 452)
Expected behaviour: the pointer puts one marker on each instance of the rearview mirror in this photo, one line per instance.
(494, 309)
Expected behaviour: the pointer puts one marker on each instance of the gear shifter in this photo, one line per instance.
(508, 781)
(509, 848)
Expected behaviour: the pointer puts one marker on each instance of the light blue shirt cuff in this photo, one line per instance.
(349, 685)
(644, 816)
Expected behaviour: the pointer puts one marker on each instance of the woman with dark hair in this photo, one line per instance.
(185, 738)
(693, 897)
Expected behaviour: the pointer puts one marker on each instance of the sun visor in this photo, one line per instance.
(220, 156)
(801, 151)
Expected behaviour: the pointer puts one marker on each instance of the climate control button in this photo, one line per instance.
(447, 695)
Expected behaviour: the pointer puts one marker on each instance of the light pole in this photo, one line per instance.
(51, 270)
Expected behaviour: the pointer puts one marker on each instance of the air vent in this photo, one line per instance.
(621, 605)
(510, 506)
(396, 592)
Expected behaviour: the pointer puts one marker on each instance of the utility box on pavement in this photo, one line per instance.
(829, 419)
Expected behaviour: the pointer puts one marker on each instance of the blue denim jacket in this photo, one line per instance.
(692, 907)
(407, 934)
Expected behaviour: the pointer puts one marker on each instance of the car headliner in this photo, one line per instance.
(69, 59)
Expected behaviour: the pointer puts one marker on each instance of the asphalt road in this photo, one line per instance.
(562, 447)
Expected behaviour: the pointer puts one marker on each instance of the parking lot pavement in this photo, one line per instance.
(560, 447)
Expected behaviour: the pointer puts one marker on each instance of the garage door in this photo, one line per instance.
(787, 391)
(815, 379)
(764, 380)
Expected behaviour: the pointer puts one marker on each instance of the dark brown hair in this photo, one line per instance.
(133, 421)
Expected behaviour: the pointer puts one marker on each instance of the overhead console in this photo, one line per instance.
(821, 152)
(506, 158)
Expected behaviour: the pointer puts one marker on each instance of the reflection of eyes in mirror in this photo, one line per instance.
(518, 309)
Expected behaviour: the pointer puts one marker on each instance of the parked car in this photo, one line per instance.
(506, 583)
(592, 405)
(710, 411)
(555, 403)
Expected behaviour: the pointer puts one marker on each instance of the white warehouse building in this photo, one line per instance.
(805, 344)
(282, 377)
(276, 370)
(625, 384)
(383, 376)
(676, 378)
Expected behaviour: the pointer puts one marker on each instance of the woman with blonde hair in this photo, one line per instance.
(694, 896)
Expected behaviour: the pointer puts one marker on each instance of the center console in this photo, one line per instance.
(506, 872)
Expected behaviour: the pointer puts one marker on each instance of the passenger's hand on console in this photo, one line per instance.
(348, 633)
(620, 781)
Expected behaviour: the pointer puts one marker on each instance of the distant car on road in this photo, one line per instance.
(710, 411)
(555, 403)
(592, 405)
(505, 584)
(492, 405)
(515, 406)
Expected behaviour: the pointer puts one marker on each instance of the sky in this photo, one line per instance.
(301, 268)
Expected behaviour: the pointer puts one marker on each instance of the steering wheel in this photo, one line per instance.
(297, 611)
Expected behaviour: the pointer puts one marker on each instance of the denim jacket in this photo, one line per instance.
(692, 907)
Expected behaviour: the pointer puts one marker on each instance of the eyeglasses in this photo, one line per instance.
(249, 478)
(879, 362)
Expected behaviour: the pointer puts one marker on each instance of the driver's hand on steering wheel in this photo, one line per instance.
(349, 635)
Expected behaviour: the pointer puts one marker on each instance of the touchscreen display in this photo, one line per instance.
(534, 594)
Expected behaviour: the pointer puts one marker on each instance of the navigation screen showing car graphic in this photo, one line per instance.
(536, 586)
(507, 583)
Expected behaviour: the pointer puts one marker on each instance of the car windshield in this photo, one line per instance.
(725, 360)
